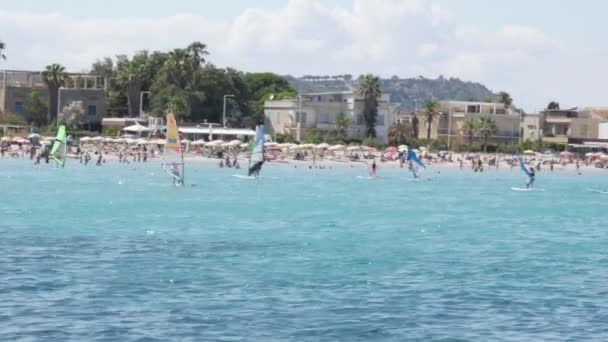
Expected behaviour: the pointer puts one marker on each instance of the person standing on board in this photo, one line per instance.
(531, 177)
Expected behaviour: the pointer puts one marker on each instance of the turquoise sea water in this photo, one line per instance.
(115, 253)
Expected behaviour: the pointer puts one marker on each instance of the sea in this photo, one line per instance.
(117, 253)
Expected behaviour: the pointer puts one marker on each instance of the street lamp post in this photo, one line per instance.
(224, 111)
(141, 102)
(58, 102)
(449, 129)
(299, 119)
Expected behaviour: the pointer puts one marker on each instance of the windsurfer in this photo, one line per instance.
(531, 177)
(174, 170)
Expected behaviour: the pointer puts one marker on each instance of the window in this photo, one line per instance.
(301, 117)
(19, 107)
(92, 110)
(359, 119)
(324, 118)
(473, 109)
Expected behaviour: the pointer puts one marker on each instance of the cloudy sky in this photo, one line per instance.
(537, 50)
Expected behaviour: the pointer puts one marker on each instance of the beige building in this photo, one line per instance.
(16, 85)
(319, 111)
(559, 125)
(531, 128)
(448, 127)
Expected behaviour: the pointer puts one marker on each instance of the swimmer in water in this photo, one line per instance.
(373, 170)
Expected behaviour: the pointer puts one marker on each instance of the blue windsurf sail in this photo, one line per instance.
(416, 165)
(523, 168)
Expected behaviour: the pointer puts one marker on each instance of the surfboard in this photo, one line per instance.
(368, 177)
(598, 191)
(529, 190)
(244, 177)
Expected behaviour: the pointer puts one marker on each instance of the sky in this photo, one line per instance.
(538, 51)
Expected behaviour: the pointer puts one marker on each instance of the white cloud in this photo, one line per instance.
(404, 37)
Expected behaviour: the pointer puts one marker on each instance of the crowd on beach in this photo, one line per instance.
(228, 157)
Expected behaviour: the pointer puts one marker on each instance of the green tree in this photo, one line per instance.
(553, 105)
(431, 111)
(469, 127)
(35, 110)
(197, 51)
(505, 98)
(72, 115)
(343, 123)
(261, 86)
(12, 119)
(130, 76)
(369, 89)
(54, 77)
(486, 128)
(177, 105)
(2, 47)
(398, 132)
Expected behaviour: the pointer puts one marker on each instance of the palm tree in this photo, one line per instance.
(130, 74)
(431, 111)
(399, 130)
(2, 47)
(369, 89)
(179, 66)
(486, 128)
(54, 77)
(469, 127)
(343, 123)
(197, 51)
(505, 98)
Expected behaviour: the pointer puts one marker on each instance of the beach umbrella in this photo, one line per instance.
(85, 139)
(308, 146)
(157, 141)
(590, 154)
(235, 143)
(244, 145)
(131, 141)
(322, 146)
(141, 141)
(215, 143)
(268, 144)
(226, 145)
(97, 139)
(391, 149)
(198, 143)
(423, 148)
(403, 148)
(353, 148)
(368, 148)
(336, 147)
(295, 147)
(5, 139)
(565, 154)
(529, 152)
(120, 140)
(186, 141)
(33, 136)
(108, 140)
(137, 128)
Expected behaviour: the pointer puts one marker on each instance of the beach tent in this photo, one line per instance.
(137, 128)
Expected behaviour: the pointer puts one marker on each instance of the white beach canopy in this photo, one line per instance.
(137, 128)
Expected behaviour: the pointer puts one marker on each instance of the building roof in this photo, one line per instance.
(217, 131)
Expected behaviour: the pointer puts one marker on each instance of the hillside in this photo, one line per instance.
(405, 92)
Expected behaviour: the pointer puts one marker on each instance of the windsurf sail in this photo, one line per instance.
(523, 168)
(59, 150)
(416, 166)
(256, 152)
(173, 155)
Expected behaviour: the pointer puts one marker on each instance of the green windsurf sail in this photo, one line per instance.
(59, 150)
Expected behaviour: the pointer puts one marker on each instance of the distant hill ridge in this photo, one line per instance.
(405, 92)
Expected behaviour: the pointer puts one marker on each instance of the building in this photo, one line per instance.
(448, 127)
(17, 85)
(562, 125)
(320, 111)
(531, 127)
